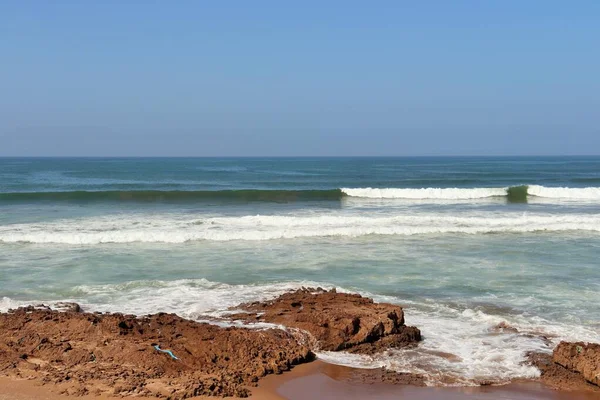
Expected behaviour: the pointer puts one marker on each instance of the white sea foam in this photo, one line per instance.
(477, 351)
(7, 303)
(588, 193)
(426, 193)
(557, 193)
(459, 344)
(190, 298)
(180, 228)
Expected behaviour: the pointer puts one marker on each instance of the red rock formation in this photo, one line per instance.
(337, 321)
(113, 353)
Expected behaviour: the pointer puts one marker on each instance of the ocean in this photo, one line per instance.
(462, 243)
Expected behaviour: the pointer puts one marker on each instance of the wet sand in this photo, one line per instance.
(320, 380)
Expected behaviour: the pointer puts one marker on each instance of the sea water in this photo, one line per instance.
(462, 244)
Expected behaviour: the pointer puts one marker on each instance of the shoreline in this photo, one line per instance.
(54, 353)
(321, 380)
(329, 381)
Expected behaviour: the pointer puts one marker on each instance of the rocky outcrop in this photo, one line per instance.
(580, 357)
(115, 354)
(164, 355)
(569, 367)
(554, 375)
(337, 321)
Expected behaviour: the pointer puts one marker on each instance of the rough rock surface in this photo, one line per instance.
(337, 321)
(557, 376)
(112, 353)
(580, 357)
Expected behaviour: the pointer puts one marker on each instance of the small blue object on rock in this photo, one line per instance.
(169, 352)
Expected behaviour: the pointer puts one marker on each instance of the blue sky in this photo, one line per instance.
(272, 78)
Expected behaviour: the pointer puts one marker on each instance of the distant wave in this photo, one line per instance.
(511, 194)
(175, 195)
(426, 193)
(588, 193)
(181, 229)
(232, 168)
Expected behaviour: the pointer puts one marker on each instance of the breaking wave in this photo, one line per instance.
(513, 193)
(588, 193)
(180, 228)
(426, 193)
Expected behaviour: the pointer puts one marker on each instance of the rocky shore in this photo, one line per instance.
(164, 355)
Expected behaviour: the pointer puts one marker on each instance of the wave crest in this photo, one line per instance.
(426, 193)
(512, 193)
(587, 193)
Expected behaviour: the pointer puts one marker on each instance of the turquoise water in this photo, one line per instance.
(441, 236)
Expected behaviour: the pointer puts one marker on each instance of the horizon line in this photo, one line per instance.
(309, 156)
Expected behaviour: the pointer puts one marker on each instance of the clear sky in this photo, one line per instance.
(281, 78)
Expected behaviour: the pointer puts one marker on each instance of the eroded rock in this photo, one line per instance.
(337, 321)
(114, 353)
(580, 357)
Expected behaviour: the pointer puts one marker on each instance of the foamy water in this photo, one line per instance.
(181, 228)
(557, 193)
